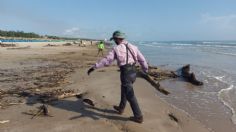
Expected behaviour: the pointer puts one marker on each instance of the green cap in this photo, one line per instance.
(118, 34)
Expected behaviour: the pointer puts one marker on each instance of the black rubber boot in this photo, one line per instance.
(118, 109)
(137, 119)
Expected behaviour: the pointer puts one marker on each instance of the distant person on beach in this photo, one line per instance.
(101, 47)
(126, 55)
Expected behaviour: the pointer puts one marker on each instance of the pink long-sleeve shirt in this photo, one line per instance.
(119, 53)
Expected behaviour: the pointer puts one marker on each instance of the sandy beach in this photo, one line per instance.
(41, 69)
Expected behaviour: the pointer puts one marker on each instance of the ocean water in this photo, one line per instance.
(29, 40)
(214, 63)
(22, 40)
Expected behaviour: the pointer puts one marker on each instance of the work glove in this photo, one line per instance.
(145, 71)
(90, 70)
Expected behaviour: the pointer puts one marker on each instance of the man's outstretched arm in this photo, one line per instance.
(106, 61)
(142, 61)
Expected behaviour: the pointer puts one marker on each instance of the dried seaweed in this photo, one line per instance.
(30, 81)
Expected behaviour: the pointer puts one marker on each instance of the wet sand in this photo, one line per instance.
(42, 69)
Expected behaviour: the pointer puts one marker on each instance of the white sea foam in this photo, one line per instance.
(220, 78)
(180, 44)
(210, 42)
(223, 53)
(227, 96)
(224, 46)
(217, 46)
(150, 45)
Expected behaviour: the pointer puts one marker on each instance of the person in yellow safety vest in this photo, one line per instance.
(101, 47)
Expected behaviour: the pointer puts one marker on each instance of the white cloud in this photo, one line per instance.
(227, 22)
(72, 31)
(83, 32)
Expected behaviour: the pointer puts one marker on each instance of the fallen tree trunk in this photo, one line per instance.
(156, 74)
(154, 83)
(190, 77)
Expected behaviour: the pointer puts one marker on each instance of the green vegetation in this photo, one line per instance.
(19, 34)
(52, 37)
(22, 34)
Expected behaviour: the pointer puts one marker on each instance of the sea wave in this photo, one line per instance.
(223, 53)
(220, 78)
(188, 45)
(150, 45)
(227, 96)
(181, 44)
(210, 42)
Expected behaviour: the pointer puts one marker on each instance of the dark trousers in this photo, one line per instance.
(100, 51)
(127, 93)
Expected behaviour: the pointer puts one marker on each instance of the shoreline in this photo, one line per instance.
(102, 87)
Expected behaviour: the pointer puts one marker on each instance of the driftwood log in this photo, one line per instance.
(155, 75)
(190, 77)
(152, 81)
(85, 100)
(41, 111)
(89, 102)
(57, 95)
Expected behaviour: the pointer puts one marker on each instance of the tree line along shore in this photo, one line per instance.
(34, 36)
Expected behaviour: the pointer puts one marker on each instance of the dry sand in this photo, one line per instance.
(71, 114)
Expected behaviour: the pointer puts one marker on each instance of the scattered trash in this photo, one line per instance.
(26, 47)
(81, 95)
(85, 54)
(88, 101)
(51, 45)
(4, 121)
(34, 81)
(57, 94)
(7, 45)
(42, 111)
(67, 44)
(172, 117)
(101, 70)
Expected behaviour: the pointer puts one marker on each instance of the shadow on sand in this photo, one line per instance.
(85, 110)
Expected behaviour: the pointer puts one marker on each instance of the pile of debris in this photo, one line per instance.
(67, 44)
(55, 95)
(32, 80)
(19, 48)
(155, 75)
(51, 45)
(159, 74)
(7, 45)
(41, 111)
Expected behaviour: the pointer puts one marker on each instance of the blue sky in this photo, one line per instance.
(139, 19)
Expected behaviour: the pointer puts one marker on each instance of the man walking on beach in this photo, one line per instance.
(126, 55)
(101, 47)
